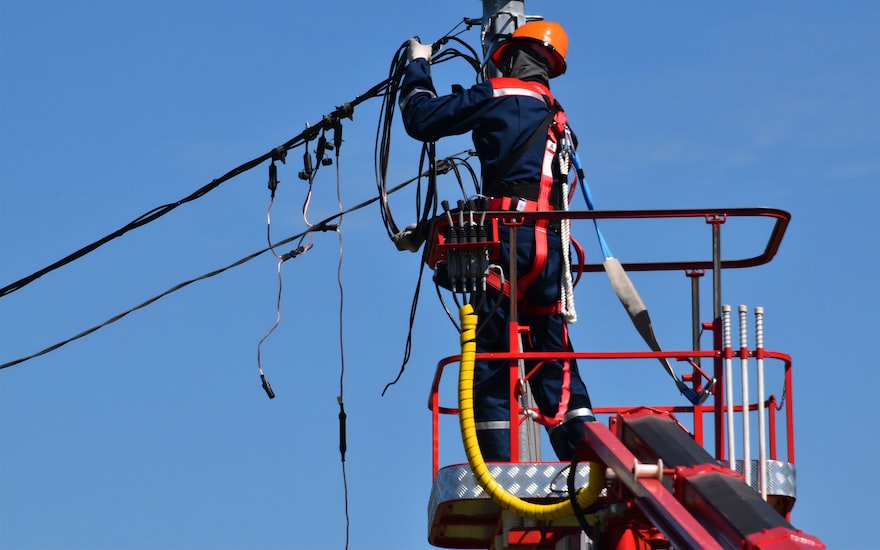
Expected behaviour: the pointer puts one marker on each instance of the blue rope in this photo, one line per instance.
(588, 198)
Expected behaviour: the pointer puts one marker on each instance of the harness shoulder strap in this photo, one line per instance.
(503, 87)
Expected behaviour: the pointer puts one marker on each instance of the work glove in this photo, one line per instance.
(417, 50)
(411, 238)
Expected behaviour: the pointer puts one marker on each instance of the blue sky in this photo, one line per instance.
(154, 433)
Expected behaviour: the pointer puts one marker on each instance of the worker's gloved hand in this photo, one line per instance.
(411, 238)
(417, 50)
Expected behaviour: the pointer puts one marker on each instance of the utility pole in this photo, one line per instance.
(500, 19)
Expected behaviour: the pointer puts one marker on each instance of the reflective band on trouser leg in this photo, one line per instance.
(493, 425)
(566, 435)
(494, 439)
(584, 414)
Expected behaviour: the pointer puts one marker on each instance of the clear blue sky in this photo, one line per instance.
(154, 432)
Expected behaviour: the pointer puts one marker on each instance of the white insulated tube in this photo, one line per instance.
(762, 426)
(744, 358)
(728, 387)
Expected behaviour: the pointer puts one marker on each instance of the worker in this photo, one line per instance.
(508, 118)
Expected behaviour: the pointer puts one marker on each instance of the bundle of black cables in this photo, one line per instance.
(381, 157)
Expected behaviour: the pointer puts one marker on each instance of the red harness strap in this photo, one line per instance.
(564, 394)
(503, 87)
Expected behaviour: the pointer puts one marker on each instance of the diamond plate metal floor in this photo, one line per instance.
(461, 514)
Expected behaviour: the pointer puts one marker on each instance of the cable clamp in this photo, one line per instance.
(296, 252)
(324, 227)
(443, 166)
(346, 110)
(280, 154)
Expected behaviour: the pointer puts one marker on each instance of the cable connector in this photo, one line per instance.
(273, 178)
(323, 145)
(267, 387)
(342, 417)
(278, 154)
(308, 169)
(337, 135)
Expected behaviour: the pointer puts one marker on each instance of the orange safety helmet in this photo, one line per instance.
(550, 35)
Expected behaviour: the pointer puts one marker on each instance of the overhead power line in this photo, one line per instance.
(324, 225)
(278, 153)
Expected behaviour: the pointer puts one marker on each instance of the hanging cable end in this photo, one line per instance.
(273, 178)
(267, 387)
(342, 437)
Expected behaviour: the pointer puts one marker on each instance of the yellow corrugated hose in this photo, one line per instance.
(585, 497)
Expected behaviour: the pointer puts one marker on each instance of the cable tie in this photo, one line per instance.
(296, 252)
(443, 166)
(325, 227)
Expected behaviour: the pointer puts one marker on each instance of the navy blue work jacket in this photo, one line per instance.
(499, 125)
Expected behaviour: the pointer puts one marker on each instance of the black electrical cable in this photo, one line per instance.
(381, 157)
(472, 58)
(381, 154)
(422, 222)
(142, 220)
(323, 225)
(412, 319)
(572, 497)
(310, 133)
(381, 162)
(343, 443)
(440, 167)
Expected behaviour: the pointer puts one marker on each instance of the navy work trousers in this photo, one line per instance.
(546, 333)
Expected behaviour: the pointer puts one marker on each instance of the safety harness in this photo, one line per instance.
(556, 124)
(557, 132)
